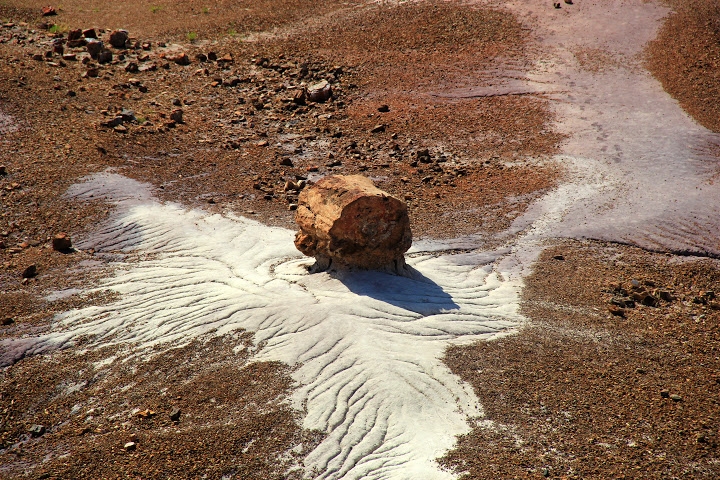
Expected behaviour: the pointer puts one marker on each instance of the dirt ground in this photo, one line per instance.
(579, 393)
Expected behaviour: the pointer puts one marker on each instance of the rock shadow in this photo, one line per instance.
(413, 291)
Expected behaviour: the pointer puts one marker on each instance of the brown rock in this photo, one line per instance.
(48, 11)
(118, 38)
(29, 272)
(180, 58)
(320, 92)
(61, 242)
(177, 115)
(345, 221)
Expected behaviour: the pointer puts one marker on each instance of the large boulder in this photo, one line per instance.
(345, 221)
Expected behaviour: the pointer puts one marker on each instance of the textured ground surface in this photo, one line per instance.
(578, 393)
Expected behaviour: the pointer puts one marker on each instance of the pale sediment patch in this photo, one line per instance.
(7, 124)
(366, 345)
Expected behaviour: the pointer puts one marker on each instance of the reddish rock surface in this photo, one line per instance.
(347, 221)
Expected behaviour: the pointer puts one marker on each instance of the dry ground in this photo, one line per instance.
(579, 391)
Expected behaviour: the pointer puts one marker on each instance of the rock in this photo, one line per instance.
(300, 97)
(8, 321)
(61, 242)
(556, 4)
(665, 295)
(649, 301)
(378, 128)
(558, 257)
(665, 393)
(3, 170)
(48, 11)
(118, 38)
(89, 33)
(131, 67)
(94, 47)
(345, 221)
(180, 58)
(175, 414)
(130, 446)
(70, 57)
(617, 311)
(286, 162)
(384, 108)
(30, 272)
(74, 35)
(145, 413)
(177, 115)
(676, 398)
(37, 430)
(623, 302)
(320, 92)
(569, 2)
(105, 56)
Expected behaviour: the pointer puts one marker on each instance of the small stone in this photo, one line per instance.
(558, 257)
(556, 4)
(146, 413)
(300, 97)
(623, 302)
(120, 129)
(649, 301)
(292, 206)
(384, 108)
(176, 102)
(70, 57)
(378, 128)
(130, 446)
(3, 170)
(30, 272)
(175, 414)
(286, 162)
(74, 34)
(89, 33)
(201, 57)
(617, 311)
(131, 67)
(177, 115)
(94, 47)
(569, 2)
(118, 38)
(48, 11)
(665, 393)
(8, 321)
(37, 430)
(263, 143)
(105, 56)
(180, 58)
(665, 295)
(61, 242)
(320, 92)
(676, 398)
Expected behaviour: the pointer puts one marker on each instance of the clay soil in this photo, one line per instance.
(569, 398)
